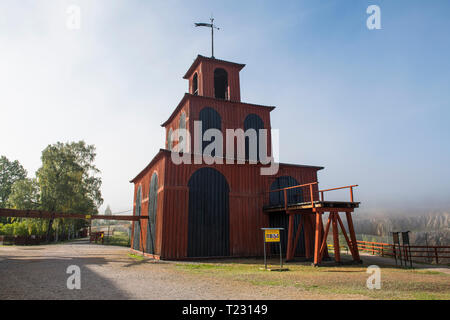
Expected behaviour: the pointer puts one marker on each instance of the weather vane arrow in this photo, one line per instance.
(212, 26)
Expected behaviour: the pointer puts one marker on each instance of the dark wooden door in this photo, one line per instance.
(208, 233)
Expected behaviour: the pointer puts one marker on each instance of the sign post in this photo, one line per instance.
(272, 235)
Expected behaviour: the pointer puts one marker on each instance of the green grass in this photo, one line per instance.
(118, 239)
(136, 256)
(343, 281)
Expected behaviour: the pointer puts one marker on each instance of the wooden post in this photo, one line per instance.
(351, 230)
(324, 238)
(436, 255)
(337, 253)
(289, 255)
(322, 230)
(345, 235)
(317, 239)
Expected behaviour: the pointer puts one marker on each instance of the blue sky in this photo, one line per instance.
(372, 106)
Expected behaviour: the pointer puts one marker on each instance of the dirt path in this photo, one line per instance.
(108, 272)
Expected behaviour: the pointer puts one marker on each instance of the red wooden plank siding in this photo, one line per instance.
(247, 188)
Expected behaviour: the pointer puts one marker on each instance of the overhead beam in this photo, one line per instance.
(55, 215)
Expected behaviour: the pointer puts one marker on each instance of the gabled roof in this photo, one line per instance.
(188, 95)
(202, 58)
(166, 152)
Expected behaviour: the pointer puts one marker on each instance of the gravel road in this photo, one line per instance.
(108, 272)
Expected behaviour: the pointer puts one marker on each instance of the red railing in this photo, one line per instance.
(322, 198)
(311, 193)
(436, 253)
(285, 195)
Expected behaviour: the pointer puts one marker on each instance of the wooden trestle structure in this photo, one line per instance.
(311, 219)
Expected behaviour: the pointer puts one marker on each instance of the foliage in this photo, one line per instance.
(24, 195)
(67, 178)
(67, 182)
(10, 172)
(24, 227)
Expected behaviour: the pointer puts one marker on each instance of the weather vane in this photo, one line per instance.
(212, 26)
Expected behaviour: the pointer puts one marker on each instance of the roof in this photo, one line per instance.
(165, 151)
(188, 95)
(155, 158)
(201, 58)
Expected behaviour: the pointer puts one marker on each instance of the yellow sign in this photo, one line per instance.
(272, 235)
(88, 216)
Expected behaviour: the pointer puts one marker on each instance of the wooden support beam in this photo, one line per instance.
(289, 255)
(337, 250)
(324, 240)
(38, 214)
(325, 254)
(345, 235)
(317, 239)
(351, 230)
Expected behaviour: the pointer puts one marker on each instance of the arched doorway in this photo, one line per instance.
(281, 219)
(152, 207)
(137, 224)
(208, 221)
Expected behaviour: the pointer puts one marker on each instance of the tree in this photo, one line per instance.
(68, 180)
(10, 172)
(24, 195)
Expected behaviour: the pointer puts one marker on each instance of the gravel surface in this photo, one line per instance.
(108, 272)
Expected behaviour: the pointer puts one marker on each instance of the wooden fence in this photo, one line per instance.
(437, 254)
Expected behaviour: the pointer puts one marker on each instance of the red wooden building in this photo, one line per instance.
(218, 210)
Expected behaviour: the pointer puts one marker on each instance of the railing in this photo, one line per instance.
(322, 198)
(430, 253)
(285, 193)
(311, 199)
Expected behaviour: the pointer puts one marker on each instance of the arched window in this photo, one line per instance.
(182, 125)
(137, 224)
(252, 121)
(152, 207)
(169, 139)
(210, 119)
(195, 84)
(220, 84)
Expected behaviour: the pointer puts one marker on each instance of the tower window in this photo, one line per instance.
(195, 85)
(220, 84)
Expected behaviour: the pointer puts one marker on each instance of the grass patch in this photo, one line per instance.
(136, 257)
(118, 239)
(337, 282)
(429, 272)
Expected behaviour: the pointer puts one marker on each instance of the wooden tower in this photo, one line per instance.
(198, 210)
